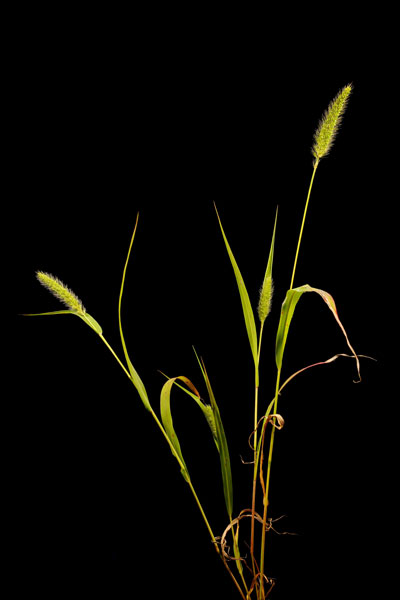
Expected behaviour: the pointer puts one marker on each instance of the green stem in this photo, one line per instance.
(255, 439)
(203, 514)
(115, 356)
(278, 377)
(303, 221)
(267, 480)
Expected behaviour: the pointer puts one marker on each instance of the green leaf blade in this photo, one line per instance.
(88, 319)
(166, 418)
(92, 323)
(288, 306)
(222, 445)
(244, 297)
(53, 312)
(136, 380)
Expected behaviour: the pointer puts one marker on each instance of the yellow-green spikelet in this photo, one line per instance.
(329, 124)
(264, 304)
(61, 291)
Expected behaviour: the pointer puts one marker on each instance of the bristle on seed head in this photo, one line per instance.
(265, 301)
(329, 124)
(61, 291)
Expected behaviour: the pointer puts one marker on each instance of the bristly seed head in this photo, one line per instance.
(329, 124)
(61, 291)
(264, 304)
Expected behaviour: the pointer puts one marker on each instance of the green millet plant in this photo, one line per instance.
(249, 572)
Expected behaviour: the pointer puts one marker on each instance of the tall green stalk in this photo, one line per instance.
(266, 495)
(275, 410)
(323, 140)
(255, 468)
(263, 310)
(302, 223)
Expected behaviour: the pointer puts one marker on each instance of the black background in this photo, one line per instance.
(105, 126)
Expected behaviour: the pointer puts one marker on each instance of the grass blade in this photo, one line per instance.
(88, 319)
(244, 297)
(53, 312)
(166, 418)
(136, 380)
(222, 444)
(288, 306)
(205, 408)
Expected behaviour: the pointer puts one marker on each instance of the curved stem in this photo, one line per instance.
(303, 221)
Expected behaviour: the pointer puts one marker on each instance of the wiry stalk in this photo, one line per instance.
(115, 356)
(255, 470)
(266, 495)
(263, 310)
(271, 445)
(303, 221)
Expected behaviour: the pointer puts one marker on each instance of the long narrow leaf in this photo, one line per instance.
(223, 449)
(53, 312)
(288, 306)
(136, 380)
(268, 272)
(244, 297)
(205, 408)
(322, 362)
(88, 319)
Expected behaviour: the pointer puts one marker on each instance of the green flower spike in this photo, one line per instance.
(329, 124)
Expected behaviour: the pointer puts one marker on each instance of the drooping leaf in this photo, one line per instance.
(288, 307)
(166, 417)
(322, 362)
(206, 409)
